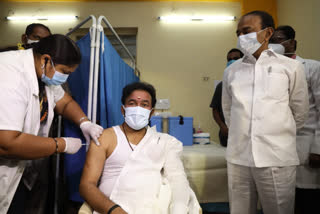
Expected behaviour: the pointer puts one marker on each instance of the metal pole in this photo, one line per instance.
(89, 114)
(56, 186)
(96, 72)
(92, 54)
(80, 24)
(105, 20)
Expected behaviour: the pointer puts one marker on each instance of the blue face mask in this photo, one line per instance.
(230, 62)
(57, 79)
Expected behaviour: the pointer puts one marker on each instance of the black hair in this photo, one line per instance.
(30, 28)
(288, 31)
(61, 49)
(235, 50)
(266, 18)
(128, 89)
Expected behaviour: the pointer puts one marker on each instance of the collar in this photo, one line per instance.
(250, 59)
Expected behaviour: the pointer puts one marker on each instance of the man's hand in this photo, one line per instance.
(224, 130)
(314, 160)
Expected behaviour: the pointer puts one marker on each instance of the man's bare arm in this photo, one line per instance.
(92, 171)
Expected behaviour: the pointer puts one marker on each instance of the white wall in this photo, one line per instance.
(304, 17)
(172, 57)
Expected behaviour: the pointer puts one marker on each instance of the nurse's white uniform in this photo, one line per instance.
(20, 111)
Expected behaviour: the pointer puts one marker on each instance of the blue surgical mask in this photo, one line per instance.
(230, 62)
(57, 79)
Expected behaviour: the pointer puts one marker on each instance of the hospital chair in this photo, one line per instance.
(86, 209)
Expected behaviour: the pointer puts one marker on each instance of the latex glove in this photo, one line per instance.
(92, 130)
(72, 145)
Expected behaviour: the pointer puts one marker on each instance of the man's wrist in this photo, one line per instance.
(113, 208)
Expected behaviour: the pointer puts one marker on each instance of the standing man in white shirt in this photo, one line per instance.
(308, 143)
(264, 100)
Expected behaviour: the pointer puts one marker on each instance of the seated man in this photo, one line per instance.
(141, 170)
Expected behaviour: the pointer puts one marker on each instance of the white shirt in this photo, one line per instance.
(263, 102)
(312, 125)
(308, 137)
(20, 111)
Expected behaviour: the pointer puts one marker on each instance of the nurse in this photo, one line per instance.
(30, 93)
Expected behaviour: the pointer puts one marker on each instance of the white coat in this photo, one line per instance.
(308, 137)
(20, 111)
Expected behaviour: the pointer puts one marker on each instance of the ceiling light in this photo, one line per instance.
(182, 19)
(29, 18)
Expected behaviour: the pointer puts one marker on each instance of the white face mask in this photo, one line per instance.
(30, 41)
(278, 48)
(249, 43)
(136, 117)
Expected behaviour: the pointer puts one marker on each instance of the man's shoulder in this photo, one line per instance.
(109, 131)
(286, 59)
(311, 62)
(287, 62)
(108, 135)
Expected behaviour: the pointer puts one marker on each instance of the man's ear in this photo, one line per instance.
(122, 110)
(151, 113)
(24, 38)
(269, 33)
(295, 44)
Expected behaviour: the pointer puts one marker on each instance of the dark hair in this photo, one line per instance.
(128, 89)
(266, 18)
(61, 49)
(30, 28)
(288, 31)
(235, 50)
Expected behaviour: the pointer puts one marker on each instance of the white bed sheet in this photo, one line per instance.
(206, 168)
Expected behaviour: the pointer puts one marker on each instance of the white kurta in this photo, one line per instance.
(264, 101)
(308, 137)
(20, 111)
(142, 188)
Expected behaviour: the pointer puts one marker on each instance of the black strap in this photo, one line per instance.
(112, 208)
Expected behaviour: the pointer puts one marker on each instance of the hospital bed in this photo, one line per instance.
(206, 169)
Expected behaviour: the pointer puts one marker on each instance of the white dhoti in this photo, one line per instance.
(274, 186)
